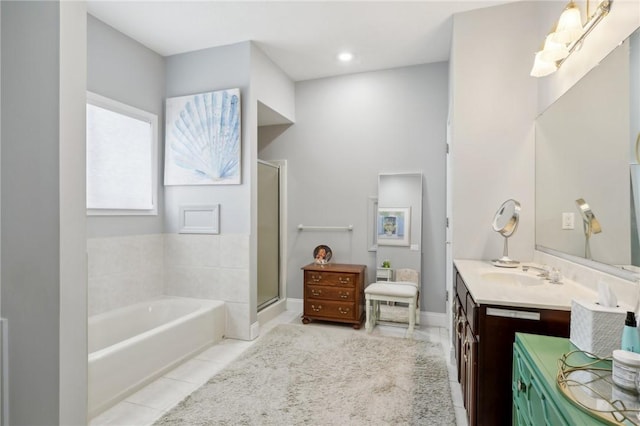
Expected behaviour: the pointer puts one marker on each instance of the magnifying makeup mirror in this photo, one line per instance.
(505, 222)
(589, 223)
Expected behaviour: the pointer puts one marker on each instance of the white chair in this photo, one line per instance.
(405, 289)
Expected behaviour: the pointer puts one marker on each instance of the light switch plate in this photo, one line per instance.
(568, 220)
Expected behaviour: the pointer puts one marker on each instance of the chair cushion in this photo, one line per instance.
(395, 289)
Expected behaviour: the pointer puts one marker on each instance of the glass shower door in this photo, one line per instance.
(268, 234)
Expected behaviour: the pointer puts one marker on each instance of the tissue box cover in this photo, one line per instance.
(596, 329)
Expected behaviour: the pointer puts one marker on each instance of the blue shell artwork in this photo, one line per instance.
(203, 139)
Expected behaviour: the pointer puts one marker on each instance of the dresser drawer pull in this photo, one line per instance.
(343, 311)
(344, 295)
(465, 350)
(316, 278)
(314, 309)
(521, 386)
(344, 280)
(316, 292)
(459, 326)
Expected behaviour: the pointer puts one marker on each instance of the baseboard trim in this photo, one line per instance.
(272, 311)
(433, 319)
(295, 305)
(254, 330)
(428, 319)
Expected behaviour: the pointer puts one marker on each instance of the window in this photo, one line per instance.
(122, 152)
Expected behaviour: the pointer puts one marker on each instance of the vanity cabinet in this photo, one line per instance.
(484, 337)
(334, 292)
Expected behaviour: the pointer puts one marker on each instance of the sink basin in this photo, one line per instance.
(512, 278)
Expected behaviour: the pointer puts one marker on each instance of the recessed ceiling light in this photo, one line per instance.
(345, 56)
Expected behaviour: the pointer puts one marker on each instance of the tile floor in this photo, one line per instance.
(148, 404)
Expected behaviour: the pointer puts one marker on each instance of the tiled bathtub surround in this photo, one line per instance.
(124, 270)
(131, 269)
(211, 267)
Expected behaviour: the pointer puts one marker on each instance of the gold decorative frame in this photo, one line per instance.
(616, 412)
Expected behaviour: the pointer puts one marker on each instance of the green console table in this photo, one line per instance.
(537, 399)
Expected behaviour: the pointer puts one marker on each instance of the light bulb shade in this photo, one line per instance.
(542, 68)
(569, 27)
(553, 51)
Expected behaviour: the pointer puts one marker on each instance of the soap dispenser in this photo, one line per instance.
(630, 336)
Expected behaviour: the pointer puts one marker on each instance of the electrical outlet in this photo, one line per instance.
(568, 220)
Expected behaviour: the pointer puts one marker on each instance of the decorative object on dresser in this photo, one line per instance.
(322, 254)
(334, 292)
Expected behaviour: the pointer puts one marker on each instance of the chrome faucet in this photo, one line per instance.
(544, 273)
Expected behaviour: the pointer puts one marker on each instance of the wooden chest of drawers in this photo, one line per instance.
(334, 292)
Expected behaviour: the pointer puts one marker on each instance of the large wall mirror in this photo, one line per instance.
(587, 149)
(399, 220)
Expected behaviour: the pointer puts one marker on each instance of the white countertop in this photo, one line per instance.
(487, 288)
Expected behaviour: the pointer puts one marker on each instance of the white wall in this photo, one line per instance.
(493, 105)
(73, 230)
(348, 129)
(621, 21)
(124, 270)
(122, 69)
(125, 253)
(272, 87)
(589, 124)
(221, 270)
(202, 71)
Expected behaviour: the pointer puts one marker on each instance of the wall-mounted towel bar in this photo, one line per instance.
(302, 227)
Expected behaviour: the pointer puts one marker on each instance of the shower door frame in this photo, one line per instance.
(282, 235)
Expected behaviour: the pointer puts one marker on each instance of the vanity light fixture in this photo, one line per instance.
(569, 28)
(567, 36)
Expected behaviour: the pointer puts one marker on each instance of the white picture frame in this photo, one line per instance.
(372, 216)
(393, 226)
(200, 219)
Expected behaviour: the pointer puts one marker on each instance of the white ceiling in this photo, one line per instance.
(301, 37)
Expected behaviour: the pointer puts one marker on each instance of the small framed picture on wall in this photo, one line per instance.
(393, 226)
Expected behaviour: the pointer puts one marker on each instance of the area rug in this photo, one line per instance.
(318, 375)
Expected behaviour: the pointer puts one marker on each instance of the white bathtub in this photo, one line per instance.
(131, 346)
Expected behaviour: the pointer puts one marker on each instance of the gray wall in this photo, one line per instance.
(348, 129)
(122, 69)
(202, 71)
(30, 207)
(33, 230)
